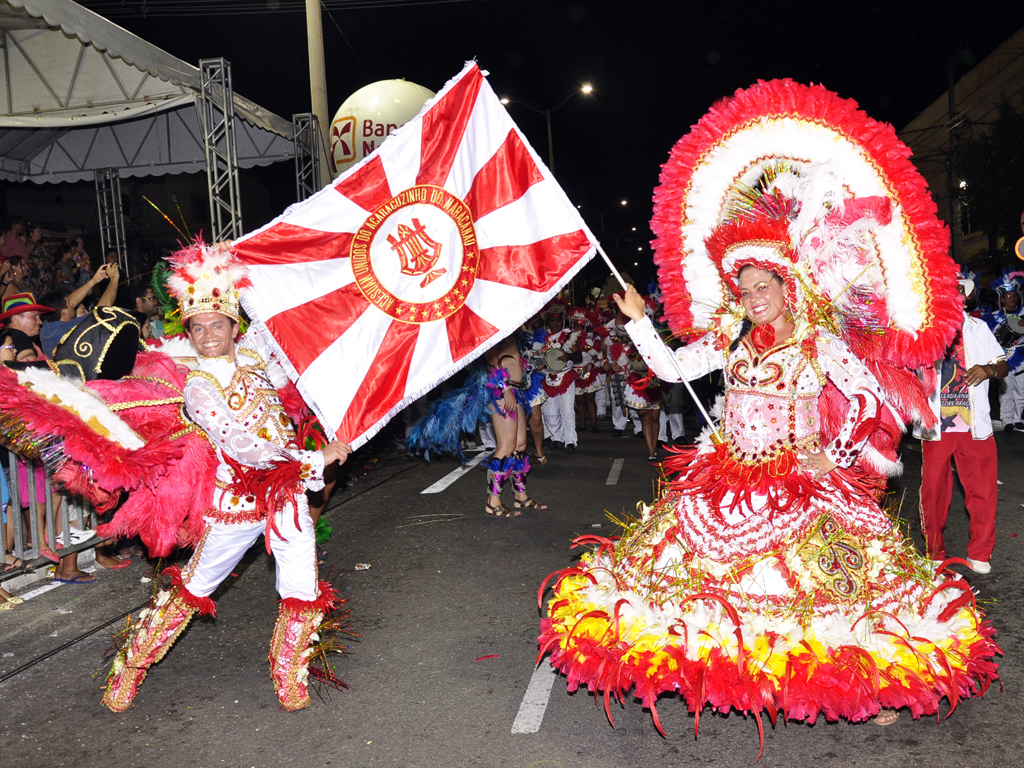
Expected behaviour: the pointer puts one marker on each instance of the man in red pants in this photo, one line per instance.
(964, 432)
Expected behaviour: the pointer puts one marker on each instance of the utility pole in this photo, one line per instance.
(953, 197)
(318, 82)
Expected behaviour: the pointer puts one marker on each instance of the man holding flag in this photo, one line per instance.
(370, 293)
(229, 395)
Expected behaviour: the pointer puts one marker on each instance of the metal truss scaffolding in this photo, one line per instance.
(111, 215)
(306, 130)
(217, 118)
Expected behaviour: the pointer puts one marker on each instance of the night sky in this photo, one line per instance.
(655, 66)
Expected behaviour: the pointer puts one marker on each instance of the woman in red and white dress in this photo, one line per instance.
(766, 577)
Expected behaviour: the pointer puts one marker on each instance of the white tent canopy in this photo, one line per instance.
(79, 94)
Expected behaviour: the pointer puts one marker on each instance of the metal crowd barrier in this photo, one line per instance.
(12, 533)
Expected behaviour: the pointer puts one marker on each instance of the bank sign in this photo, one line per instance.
(369, 116)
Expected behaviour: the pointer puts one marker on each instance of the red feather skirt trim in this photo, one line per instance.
(568, 380)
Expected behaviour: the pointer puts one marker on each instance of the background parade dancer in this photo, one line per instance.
(792, 230)
(616, 337)
(561, 354)
(589, 375)
(230, 397)
(642, 390)
(531, 344)
(1007, 323)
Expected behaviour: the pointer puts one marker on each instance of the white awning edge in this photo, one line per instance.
(92, 29)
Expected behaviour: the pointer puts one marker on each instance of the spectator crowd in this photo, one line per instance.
(48, 286)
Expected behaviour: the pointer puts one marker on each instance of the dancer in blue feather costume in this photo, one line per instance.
(501, 391)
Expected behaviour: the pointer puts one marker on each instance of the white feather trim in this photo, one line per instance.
(180, 348)
(81, 402)
(830, 167)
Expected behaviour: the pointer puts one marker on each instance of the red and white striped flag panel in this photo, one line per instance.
(410, 265)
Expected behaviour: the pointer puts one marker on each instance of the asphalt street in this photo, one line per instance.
(448, 618)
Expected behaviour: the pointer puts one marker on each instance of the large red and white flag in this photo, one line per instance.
(413, 263)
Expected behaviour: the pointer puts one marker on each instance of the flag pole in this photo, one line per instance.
(675, 362)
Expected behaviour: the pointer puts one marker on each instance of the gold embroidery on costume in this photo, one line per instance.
(836, 560)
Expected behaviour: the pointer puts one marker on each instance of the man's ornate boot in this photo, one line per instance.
(296, 629)
(158, 626)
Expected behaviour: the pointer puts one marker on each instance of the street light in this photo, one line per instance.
(586, 89)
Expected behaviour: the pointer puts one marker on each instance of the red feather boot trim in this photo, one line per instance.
(296, 627)
(148, 641)
(203, 605)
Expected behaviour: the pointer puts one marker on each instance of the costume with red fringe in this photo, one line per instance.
(559, 382)
(259, 482)
(749, 584)
(205, 455)
(252, 476)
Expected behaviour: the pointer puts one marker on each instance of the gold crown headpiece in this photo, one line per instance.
(206, 279)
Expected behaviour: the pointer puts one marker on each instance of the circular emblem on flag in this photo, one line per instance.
(415, 257)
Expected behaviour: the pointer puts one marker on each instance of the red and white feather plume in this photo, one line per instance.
(870, 255)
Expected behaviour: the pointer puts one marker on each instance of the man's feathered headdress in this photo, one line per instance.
(206, 279)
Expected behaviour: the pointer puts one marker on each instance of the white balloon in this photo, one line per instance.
(369, 116)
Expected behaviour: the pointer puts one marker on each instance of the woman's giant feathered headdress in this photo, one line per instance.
(795, 179)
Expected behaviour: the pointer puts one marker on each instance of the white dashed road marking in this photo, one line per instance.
(613, 475)
(451, 477)
(535, 702)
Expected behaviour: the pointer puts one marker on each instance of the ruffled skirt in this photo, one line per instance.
(798, 598)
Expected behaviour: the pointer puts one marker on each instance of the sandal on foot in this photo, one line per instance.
(81, 578)
(886, 717)
(541, 459)
(118, 565)
(529, 503)
(500, 510)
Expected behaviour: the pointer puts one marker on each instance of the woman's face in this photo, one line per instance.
(762, 294)
(36, 234)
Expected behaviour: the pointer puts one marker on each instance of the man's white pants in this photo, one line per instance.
(1011, 399)
(602, 400)
(559, 414)
(672, 406)
(487, 439)
(619, 419)
(619, 416)
(224, 544)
